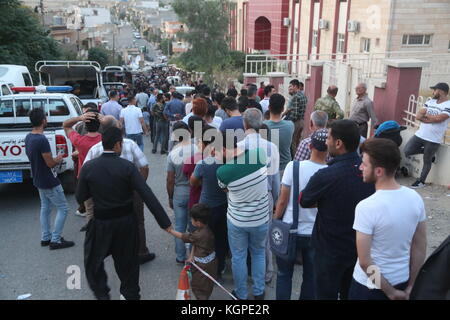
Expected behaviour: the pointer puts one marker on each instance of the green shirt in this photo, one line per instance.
(329, 105)
(245, 177)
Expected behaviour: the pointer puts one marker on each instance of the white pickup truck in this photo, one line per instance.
(86, 74)
(15, 125)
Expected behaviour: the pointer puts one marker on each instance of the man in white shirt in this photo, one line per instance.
(306, 219)
(390, 229)
(268, 92)
(427, 140)
(132, 120)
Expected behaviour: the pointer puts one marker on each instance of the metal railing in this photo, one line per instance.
(414, 105)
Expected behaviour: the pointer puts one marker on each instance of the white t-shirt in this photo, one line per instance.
(265, 105)
(217, 121)
(391, 217)
(435, 132)
(187, 117)
(306, 217)
(131, 116)
(188, 107)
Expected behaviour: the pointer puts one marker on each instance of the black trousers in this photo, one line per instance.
(218, 225)
(332, 276)
(119, 238)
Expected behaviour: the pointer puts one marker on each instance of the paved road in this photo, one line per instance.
(25, 267)
(124, 38)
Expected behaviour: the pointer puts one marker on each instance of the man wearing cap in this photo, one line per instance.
(307, 217)
(363, 110)
(434, 118)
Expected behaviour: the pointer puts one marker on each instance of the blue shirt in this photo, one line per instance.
(175, 110)
(336, 190)
(234, 123)
(151, 102)
(111, 108)
(212, 195)
(43, 176)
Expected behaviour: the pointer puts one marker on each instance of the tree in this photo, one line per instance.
(99, 54)
(207, 24)
(166, 46)
(23, 40)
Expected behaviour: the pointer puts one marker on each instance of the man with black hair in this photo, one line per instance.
(235, 121)
(296, 111)
(111, 182)
(132, 120)
(232, 92)
(336, 191)
(83, 143)
(268, 92)
(280, 131)
(174, 110)
(253, 98)
(390, 229)
(45, 180)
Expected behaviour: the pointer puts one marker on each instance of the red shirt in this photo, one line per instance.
(261, 93)
(188, 170)
(83, 144)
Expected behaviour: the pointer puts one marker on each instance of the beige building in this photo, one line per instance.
(326, 27)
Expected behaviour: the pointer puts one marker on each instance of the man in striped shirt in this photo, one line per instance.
(244, 177)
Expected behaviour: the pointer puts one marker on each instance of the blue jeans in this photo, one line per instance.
(241, 240)
(162, 135)
(49, 198)
(180, 208)
(138, 138)
(286, 270)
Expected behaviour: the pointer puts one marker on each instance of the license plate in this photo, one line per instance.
(11, 177)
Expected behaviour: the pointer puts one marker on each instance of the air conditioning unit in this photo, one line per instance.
(286, 22)
(353, 26)
(323, 24)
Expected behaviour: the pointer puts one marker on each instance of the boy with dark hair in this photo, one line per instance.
(45, 180)
(390, 229)
(203, 252)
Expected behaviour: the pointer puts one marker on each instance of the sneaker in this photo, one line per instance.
(235, 295)
(84, 228)
(61, 245)
(80, 214)
(153, 151)
(181, 261)
(147, 258)
(418, 184)
(260, 297)
(45, 243)
(122, 298)
(433, 160)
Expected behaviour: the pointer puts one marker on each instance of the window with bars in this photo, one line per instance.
(365, 45)
(340, 43)
(416, 39)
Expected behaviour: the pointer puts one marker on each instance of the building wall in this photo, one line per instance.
(422, 17)
(383, 22)
(275, 11)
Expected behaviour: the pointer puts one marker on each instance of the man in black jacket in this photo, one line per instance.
(111, 181)
(433, 280)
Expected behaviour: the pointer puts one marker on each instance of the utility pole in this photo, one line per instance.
(41, 6)
(114, 47)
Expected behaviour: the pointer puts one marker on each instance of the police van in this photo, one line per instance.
(15, 125)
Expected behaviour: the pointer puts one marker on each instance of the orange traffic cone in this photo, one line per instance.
(183, 292)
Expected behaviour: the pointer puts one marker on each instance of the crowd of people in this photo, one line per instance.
(236, 161)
